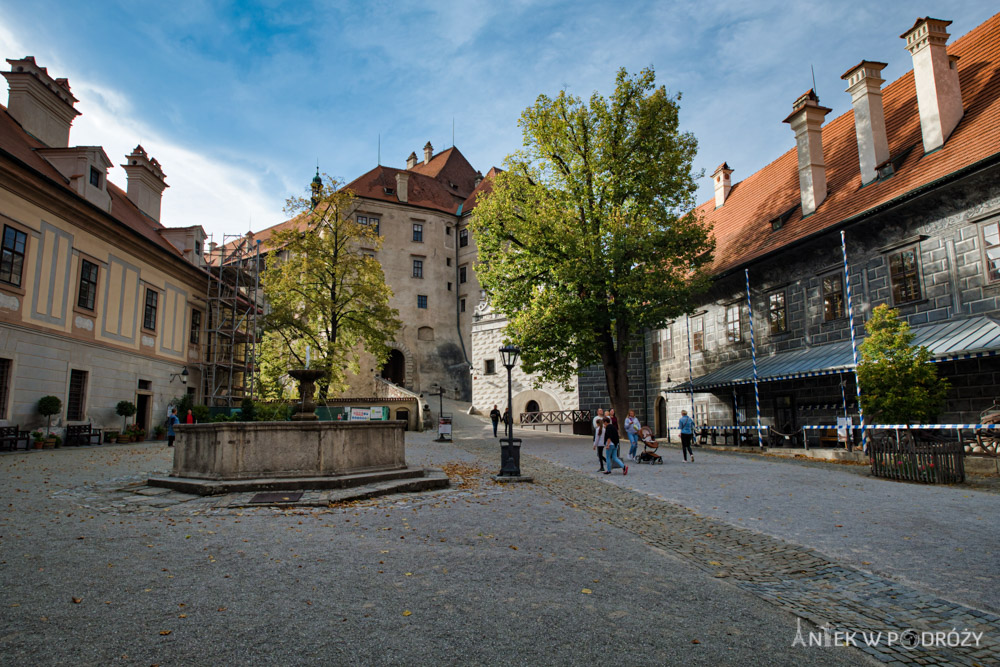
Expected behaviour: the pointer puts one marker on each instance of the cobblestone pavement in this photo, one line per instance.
(795, 578)
(98, 570)
(934, 538)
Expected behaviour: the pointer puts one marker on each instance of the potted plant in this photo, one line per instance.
(38, 438)
(48, 406)
(124, 409)
(110, 435)
(160, 431)
(58, 440)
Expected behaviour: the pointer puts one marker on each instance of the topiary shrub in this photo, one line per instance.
(248, 410)
(201, 414)
(125, 409)
(48, 406)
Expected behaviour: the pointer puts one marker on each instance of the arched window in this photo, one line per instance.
(531, 406)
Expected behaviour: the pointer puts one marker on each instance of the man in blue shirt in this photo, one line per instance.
(686, 425)
(171, 421)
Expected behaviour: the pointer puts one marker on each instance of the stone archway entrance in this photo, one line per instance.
(394, 369)
(531, 406)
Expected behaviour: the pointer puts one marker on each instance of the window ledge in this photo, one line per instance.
(13, 289)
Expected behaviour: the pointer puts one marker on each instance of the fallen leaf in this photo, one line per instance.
(587, 591)
(409, 574)
(695, 641)
(77, 600)
(165, 632)
(407, 612)
(221, 609)
(714, 562)
(182, 615)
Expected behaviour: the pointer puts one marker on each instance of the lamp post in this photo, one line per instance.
(510, 453)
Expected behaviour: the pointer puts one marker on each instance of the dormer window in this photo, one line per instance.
(389, 191)
(95, 177)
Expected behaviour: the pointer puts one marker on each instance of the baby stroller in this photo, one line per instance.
(649, 447)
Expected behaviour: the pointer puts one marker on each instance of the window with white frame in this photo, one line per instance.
(734, 329)
(904, 275)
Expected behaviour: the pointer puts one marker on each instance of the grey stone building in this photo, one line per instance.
(911, 176)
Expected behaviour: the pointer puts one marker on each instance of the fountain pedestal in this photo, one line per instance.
(307, 388)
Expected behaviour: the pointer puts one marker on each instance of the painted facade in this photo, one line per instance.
(96, 304)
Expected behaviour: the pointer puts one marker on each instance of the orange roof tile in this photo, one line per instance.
(742, 225)
(452, 170)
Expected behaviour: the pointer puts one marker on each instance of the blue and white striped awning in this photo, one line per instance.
(969, 338)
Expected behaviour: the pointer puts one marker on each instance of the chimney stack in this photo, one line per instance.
(478, 179)
(402, 183)
(145, 182)
(411, 161)
(806, 120)
(720, 177)
(864, 83)
(42, 105)
(428, 152)
(935, 75)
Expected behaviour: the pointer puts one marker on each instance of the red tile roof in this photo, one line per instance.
(486, 185)
(742, 225)
(452, 170)
(422, 190)
(21, 145)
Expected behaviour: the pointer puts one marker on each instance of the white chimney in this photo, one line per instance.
(806, 120)
(864, 83)
(428, 152)
(145, 182)
(720, 177)
(411, 161)
(935, 75)
(402, 183)
(42, 105)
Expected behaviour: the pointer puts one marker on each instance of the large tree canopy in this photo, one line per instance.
(590, 235)
(325, 290)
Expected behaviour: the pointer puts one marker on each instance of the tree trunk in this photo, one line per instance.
(616, 374)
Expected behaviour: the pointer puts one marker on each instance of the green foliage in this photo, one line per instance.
(125, 409)
(589, 236)
(273, 412)
(201, 413)
(248, 410)
(325, 290)
(49, 405)
(183, 403)
(899, 385)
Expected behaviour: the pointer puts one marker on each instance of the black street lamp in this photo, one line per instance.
(510, 453)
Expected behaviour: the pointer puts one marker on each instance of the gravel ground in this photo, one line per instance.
(478, 574)
(942, 539)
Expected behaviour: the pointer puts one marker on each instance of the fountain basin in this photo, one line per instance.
(255, 450)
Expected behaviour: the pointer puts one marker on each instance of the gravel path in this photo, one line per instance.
(478, 574)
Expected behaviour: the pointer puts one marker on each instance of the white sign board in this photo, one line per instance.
(444, 428)
(359, 414)
(376, 413)
(843, 428)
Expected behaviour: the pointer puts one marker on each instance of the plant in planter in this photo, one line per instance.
(38, 438)
(160, 431)
(110, 435)
(48, 406)
(125, 409)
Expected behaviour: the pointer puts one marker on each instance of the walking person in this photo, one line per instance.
(686, 425)
(171, 420)
(599, 419)
(495, 418)
(508, 423)
(611, 439)
(632, 427)
(599, 442)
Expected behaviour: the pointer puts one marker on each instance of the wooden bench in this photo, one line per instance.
(82, 434)
(828, 438)
(11, 436)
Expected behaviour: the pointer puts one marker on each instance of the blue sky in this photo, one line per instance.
(238, 100)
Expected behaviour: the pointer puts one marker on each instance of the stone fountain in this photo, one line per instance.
(304, 453)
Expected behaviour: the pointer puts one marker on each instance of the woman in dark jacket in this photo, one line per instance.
(611, 439)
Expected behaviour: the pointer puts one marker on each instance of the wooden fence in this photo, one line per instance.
(579, 420)
(915, 456)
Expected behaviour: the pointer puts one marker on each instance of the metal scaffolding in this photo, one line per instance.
(234, 300)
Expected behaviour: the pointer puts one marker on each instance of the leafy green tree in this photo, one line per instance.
(899, 385)
(325, 290)
(589, 235)
(48, 406)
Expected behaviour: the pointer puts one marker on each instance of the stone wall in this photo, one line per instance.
(594, 386)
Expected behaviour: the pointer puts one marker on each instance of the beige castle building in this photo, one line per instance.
(428, 256)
